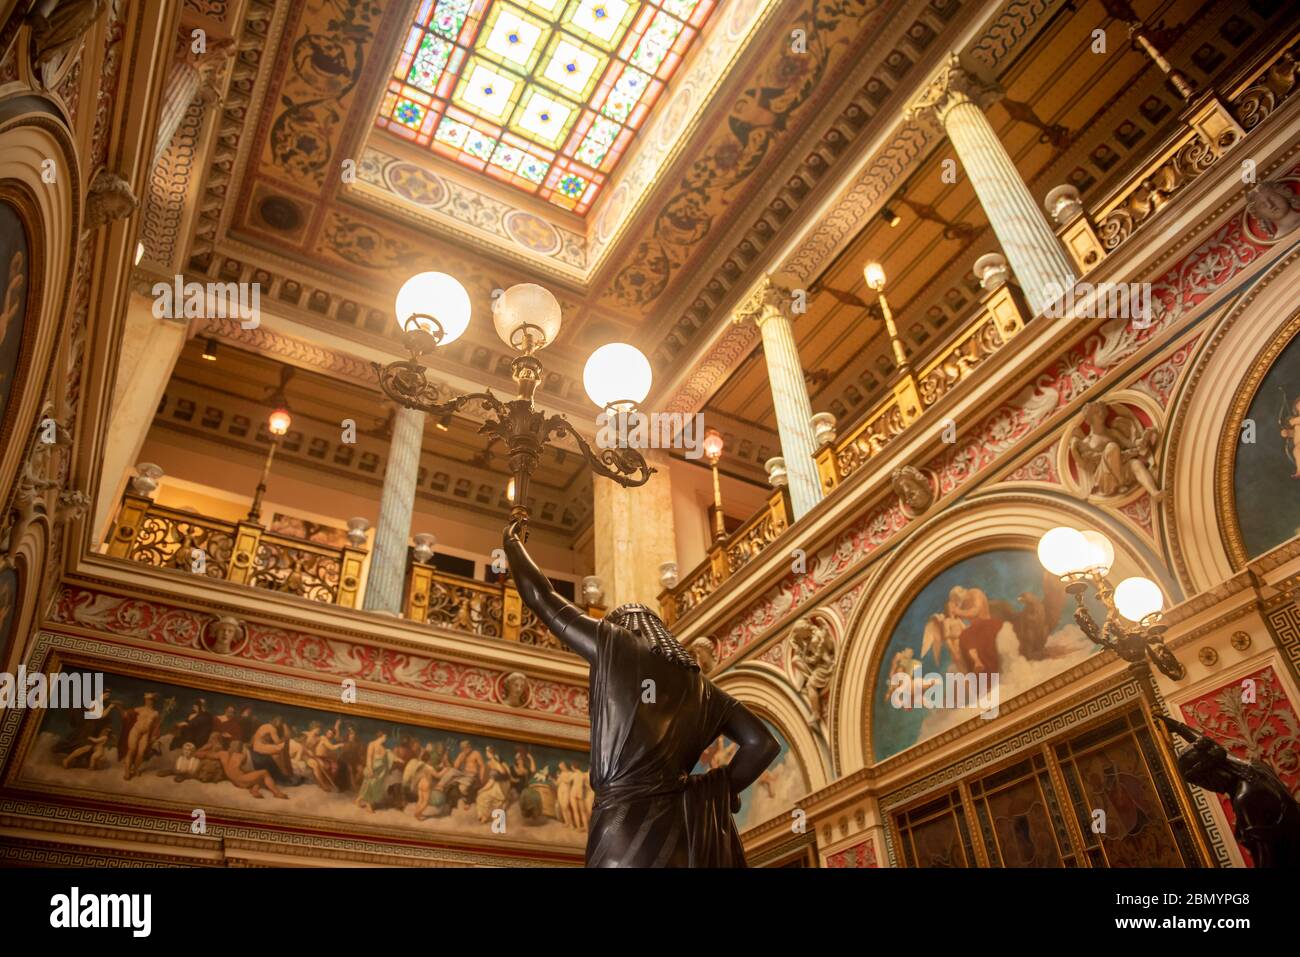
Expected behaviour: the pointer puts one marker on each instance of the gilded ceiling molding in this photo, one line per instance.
(1011, 29)
(851, 213)
(453, 206)
(238, 113)
(733, 345)
(163, 218)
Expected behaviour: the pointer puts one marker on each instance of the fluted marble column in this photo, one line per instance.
(768, 307)
(396, 503)
(1041, 266)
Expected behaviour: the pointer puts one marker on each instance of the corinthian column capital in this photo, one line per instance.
(207, 57)
(950, 86)
(766, 300)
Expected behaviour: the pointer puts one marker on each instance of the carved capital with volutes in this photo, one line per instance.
(951, 86)
(767, 300)
(208, 56)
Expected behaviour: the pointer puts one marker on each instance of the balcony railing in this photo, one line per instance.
(1000, 317)
(1211, 125)
(475, 607)
(727, 556)
(242, 552)
(248, 554)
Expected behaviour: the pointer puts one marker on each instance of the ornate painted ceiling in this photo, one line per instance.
(321, 199)
(771, 148)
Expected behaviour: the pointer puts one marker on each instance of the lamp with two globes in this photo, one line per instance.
(1132, 628)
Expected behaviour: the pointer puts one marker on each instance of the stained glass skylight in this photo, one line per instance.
(545, 95)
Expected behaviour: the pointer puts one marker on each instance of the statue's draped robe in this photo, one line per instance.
(651, 719)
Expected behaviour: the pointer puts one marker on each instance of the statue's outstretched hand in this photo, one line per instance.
(517, 531)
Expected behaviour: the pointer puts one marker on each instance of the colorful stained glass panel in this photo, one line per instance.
(545, 95)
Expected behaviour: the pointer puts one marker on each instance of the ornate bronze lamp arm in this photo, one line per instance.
(619, 464)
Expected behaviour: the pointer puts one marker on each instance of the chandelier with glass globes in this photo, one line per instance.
(433, 309)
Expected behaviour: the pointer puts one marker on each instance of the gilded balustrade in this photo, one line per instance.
(728, 556)
(1001, 315)
(1211, 126)
(241, 552)
(476, 608)
(246, 553)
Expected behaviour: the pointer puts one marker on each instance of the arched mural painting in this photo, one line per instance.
(776, 790)
(1266, 474)
(993, 614)
(14, 264)
(8, 611)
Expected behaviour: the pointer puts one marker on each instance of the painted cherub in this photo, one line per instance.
(96, 747)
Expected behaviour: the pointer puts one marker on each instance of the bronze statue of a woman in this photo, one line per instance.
(652, 714)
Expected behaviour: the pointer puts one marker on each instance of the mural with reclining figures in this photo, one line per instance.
(996, 616)
(157, 743)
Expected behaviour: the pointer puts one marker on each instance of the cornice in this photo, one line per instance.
(129, 580)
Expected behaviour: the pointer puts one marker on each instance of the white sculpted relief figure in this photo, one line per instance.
(1115, 456)
(812, 663)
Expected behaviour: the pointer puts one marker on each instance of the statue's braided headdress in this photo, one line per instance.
(639, 618)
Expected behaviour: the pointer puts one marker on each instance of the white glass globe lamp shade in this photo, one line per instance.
(1064, 551)
(1101, 552)
(1138, 599)
(432, 310)
(617, 376)
(527, 317)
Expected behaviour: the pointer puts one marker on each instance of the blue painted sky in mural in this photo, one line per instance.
(1004, 576)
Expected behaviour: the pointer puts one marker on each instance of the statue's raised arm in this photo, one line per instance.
(566, 621)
